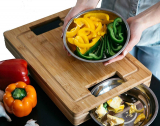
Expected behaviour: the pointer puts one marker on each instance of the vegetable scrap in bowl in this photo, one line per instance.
(96, 36)
(110, 111)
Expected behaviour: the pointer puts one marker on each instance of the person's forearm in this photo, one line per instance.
(150, 16)
(87, 3)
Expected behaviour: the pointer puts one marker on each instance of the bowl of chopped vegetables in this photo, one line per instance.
(96, 35)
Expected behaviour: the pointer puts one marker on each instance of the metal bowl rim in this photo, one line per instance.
(156, 104)
(102, 83)
(95, 61)
(152, 93)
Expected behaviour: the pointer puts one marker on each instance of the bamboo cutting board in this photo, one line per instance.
(65, 79)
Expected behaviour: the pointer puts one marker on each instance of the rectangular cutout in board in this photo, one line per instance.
(47, 26)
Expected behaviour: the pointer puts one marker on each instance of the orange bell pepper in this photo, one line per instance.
(20, 98)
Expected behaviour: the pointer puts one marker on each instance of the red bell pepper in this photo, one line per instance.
(12, 71)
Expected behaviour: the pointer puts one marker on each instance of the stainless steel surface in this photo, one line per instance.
(105, 86)
(110, 12)
(142, 96)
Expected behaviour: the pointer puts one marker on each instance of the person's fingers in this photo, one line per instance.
(129, 20)
(67, 19)
(119, 57)
(62, 35)
(64, 48)
(68, 53)
(132, 42)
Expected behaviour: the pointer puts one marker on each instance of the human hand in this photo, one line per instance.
(74, 11)
(136, 29)
(80, 6)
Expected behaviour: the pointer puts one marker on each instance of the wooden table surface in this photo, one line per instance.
(47, 114)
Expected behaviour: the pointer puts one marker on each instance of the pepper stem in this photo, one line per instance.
(19, 93)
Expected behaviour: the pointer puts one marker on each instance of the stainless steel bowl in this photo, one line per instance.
(142, 96)
(112, 15)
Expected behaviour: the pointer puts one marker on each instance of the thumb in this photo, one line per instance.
(67, 18)
(132, 42)
(125, 51)
(128, 48)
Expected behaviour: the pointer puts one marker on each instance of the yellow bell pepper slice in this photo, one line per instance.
(72, 29)
(95, 19)
(104, 27)
(81, 21)
(70, 40)
(102, 31)
(107, 21)
(81, 40)
(96, 23)
(91, 31)
(102, 16)
(82, 50)
(99, 27)
(140, 118)
(116, 110)
(92, 35)
(92, 26)
(78, 39)
(87, 45)
(133, 108)
(83, 31)
(73, 32)
(85, 39)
